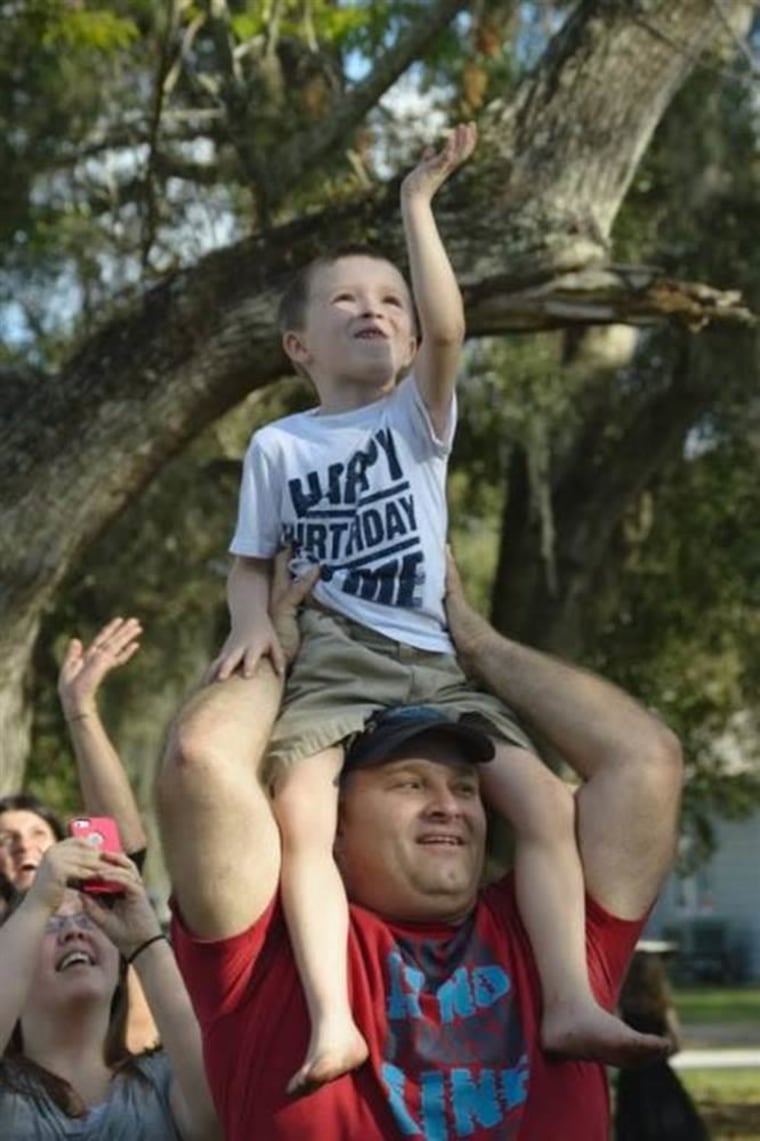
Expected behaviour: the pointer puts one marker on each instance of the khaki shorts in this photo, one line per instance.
(344, 672)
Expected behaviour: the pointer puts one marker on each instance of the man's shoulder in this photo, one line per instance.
(500, 893)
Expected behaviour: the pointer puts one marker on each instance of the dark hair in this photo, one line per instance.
(27, 802)
(291, 312)
(7, 891)
(645, 989)
(21, 1075)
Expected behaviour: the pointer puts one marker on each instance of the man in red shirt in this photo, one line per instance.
(443, 985)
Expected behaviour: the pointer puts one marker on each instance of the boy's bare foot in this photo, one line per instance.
(585, 1030)
(333, 1050)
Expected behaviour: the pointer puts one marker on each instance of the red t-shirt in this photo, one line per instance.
(449, 1015)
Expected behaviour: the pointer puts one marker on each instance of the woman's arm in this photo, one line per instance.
(106, 790)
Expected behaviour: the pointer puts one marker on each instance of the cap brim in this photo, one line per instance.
(476, 747)
(656, 946)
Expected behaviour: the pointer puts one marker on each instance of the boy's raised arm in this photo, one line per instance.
(435, 289)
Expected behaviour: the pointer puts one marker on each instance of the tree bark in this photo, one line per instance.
(555, 164)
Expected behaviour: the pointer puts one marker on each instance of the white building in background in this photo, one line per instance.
(714, 914)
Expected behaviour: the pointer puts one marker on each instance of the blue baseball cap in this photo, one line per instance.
(389, 729)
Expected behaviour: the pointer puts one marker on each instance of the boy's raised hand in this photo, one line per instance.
(436, 166)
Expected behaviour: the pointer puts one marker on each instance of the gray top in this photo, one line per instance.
(136, 1110)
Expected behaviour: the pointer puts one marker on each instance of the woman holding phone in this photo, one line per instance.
(66, 1070)
(28, 826)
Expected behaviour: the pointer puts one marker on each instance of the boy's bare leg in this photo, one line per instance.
(550, 895)
(316, 909)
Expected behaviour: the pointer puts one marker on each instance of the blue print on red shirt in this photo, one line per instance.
(455, 1061)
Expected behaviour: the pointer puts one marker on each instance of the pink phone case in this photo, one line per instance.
(102, 832)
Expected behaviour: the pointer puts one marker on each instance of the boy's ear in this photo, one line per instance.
(294, 347)
(411, 352)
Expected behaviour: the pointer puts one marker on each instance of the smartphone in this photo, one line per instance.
(102, 832)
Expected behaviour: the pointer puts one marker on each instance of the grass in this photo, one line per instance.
(728, 1087)
(713, 1005)
(729, 1100)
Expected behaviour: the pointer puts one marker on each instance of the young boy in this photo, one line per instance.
(357, 485)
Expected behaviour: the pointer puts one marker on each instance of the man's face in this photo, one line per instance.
(359, 327)
(411, 834)
(24, 838)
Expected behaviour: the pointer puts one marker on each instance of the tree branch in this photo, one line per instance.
(312, 146)
(608, 295)
(536, 208)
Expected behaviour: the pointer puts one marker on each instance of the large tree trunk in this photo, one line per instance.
(554, 167)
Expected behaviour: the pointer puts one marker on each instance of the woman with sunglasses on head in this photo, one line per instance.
(66, 1070)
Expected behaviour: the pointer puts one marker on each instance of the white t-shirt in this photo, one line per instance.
(362, 493)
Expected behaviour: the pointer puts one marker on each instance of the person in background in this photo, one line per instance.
(106, 790)
(66, 1070)
(651, 1102)
(6, 895)
(28, 827)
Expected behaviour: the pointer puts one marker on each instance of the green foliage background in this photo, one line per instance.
(87, 223)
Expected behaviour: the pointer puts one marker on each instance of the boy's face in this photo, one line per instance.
(359, 330)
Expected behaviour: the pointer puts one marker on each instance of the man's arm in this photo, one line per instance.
(435, 289)
(629, 762)
(106, 790)
(220, 839)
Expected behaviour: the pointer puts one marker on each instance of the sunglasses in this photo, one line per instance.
(57, 923)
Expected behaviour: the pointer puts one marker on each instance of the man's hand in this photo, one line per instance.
(84, 668)
(286, 596)
(435, 167)
(244, 649)
(468, 629)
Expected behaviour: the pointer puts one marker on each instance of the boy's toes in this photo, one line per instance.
(593, 1034)
(328, 1061)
